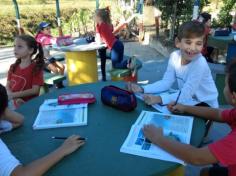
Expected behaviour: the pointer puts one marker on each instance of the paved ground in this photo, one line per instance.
(154, 66)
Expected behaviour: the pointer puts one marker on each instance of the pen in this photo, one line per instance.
(177, 98)
(56, 137)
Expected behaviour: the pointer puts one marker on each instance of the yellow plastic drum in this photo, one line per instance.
(81, 67)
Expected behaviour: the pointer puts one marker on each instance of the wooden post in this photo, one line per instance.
(97, 4)
(196, 9)
(20, 29)
(58, 18)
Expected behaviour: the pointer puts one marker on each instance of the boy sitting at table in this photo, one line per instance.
(189, 68)
(221, 151)
(9, 165)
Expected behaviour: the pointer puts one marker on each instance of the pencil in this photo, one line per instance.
(177, 98)
(63, 138)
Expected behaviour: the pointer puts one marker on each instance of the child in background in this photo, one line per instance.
(207, 51)
(221, 151)
(25, 76)
(9, 165)
(189, 68)
(104, 33)
(46, 39)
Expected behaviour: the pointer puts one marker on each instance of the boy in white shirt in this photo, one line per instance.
(9, 165)
(189, 68)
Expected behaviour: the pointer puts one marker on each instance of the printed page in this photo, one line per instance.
(174, 127)
(137, 144)
(52, 115)
(158, 107)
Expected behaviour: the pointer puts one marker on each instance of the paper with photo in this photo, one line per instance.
(175, 127)
(158, 107)
(52, 115)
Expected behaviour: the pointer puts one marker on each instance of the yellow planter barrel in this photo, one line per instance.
(81, 61)
(81, 67)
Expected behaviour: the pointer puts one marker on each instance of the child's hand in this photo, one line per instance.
(176, 108)
(134, 88)
(151, 99)
(152, 133)
(71, 144)
(19, 102)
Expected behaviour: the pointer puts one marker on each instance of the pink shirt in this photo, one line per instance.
(44, 39)
(225, 149)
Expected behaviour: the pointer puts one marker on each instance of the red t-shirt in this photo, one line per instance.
(44, 39)
(206, 33)
(24, 78)
(106, 34)
(225, 149)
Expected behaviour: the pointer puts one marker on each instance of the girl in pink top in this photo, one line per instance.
(45, 38)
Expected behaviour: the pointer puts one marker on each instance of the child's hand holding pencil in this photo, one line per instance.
(71, 144)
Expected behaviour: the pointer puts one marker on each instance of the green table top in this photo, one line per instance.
(221, 42)
(106, 131)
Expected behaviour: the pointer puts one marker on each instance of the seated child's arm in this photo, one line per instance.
(9, 92)
(15, 118)
(25, 93)
(40, 166)
(203, 112)
(185, 152)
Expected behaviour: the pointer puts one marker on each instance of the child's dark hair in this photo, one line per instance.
(231, 74)
(104, 14)
(204, 17)
(38, 50)
(191, 29)
(3, 99)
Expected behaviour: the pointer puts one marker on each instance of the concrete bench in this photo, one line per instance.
(59, 57)
(50, 79)
(125, 74)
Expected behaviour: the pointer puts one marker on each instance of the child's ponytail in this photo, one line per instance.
(39, 58)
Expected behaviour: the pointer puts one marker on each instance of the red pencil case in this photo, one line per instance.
(66, 99)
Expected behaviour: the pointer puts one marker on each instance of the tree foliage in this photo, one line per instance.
(224, 16)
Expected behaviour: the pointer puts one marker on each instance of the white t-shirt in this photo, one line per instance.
(194, 80)
(7, 161)
(5, 126)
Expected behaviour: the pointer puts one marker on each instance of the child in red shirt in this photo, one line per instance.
(25, 76)
(207, 51)
(221, 151)
(104, 30)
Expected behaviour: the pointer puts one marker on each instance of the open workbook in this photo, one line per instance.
(160, 108)
(174, 126)
(52, 115)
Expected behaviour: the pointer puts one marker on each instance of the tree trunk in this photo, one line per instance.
(173, 22)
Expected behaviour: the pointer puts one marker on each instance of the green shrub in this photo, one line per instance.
(30, 18)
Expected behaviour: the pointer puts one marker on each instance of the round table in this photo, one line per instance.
(106, 131)
(81, 61)
(220, 42)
